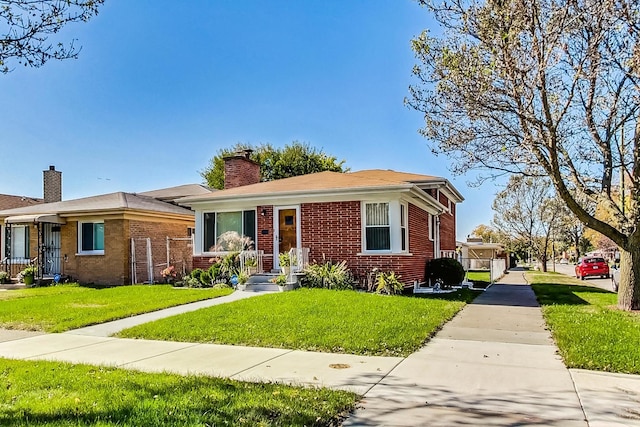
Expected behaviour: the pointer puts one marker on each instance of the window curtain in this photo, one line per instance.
(378, 236)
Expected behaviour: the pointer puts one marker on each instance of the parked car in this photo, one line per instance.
(564, 261)
(592, 266)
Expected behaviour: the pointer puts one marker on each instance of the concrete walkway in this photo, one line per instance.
(495, 364)
(109, 328)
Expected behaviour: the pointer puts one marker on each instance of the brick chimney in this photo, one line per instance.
(240, 170)
(52, 183)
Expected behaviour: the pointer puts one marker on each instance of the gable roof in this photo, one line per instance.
(103, 203)
(173, 193)
(424, 182)
(8, 201)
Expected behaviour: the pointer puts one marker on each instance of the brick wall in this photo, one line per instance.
(240, 170)
(158, 231)
(447, 226)
(114, 268)
(335, 230)
(265, 241)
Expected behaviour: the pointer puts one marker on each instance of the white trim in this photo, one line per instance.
(411, 193)
(79, 251)
(406, 226)
(395, 236)
(198, 247)
(276, 231)
(384, 254)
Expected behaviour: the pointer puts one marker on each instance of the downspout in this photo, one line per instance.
(437, 238)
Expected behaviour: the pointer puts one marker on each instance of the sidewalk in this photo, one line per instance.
(495, 364)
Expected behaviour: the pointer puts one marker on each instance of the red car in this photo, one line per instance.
(592, 266)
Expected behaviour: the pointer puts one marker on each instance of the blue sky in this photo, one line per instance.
(160, 86)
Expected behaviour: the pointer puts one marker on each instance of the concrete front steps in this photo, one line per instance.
(262, 282)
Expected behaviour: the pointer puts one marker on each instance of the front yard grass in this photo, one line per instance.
(588, 329)
(314, 320)
(61, 394)
(64, 307)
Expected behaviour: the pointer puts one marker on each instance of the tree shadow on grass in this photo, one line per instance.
(465, 295)
(553, 294)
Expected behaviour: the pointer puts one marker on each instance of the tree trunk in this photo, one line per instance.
(629, 290)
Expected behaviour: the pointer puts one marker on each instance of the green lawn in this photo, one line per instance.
(60, 394)
(480, 279)
(588, 329)
(64, 307)
(315, 320)
(480, 276)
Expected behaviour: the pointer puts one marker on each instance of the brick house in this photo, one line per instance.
(372, 219)
(109, 239)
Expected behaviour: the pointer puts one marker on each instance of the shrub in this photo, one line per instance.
(4, 277)
(205, 278)
(214, 271)
(191, 282)
(388, 283)
(328, 275)
(447, 271)
(196, 272)
(229, 265)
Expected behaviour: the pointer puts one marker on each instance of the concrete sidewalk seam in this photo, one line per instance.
(69, 348)
(384, 376)
(575, 388)
(262, 362)
(160, 354)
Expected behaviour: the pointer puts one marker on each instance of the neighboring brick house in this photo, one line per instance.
(96, 239)
(372, 219)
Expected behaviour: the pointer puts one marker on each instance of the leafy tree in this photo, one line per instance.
(294, 159)
(28, 24)
(534, 87)
(488, 234)
(526, 210)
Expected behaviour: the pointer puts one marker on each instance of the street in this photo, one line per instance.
(569, 270)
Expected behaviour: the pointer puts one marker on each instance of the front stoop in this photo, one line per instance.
(262, 282)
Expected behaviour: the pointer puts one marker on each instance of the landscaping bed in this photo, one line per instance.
(64, 307)
(589, 330)
(61, 394)
(315, 320)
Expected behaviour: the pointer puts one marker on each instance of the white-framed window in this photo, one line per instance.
(218, 223)
(19, 243)
(377, 227)
(91, 238)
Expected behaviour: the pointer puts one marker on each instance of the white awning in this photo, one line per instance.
(34, 218)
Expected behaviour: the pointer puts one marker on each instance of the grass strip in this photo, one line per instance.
(589, 330)
(64, 307)
(314, 320)
(61, 394)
